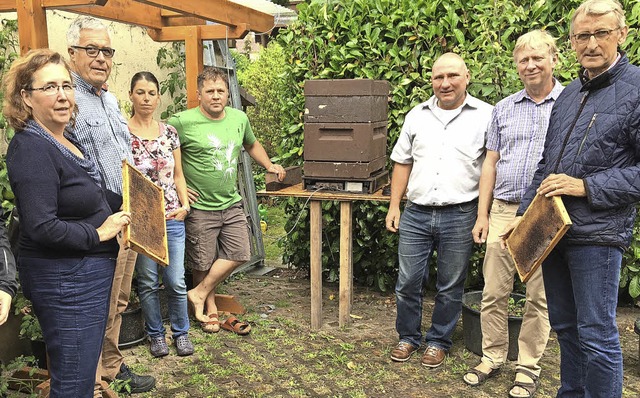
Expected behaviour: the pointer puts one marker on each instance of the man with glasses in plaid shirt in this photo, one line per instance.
(103, 133)
(515, 141)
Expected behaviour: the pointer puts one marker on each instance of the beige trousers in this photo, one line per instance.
(499, 272)
(111, 359)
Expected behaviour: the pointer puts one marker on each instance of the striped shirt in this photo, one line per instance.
(102, 132)
(517, 132)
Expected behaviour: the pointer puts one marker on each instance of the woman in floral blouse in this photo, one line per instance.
(156, 153)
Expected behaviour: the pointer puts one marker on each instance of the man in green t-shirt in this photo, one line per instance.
(211, 139)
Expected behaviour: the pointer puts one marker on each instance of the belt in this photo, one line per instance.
(445, 206)
(508, 202)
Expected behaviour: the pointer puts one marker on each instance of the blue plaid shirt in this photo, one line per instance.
(102, 132)
(517, 132)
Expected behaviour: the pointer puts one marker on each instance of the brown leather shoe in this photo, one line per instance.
(402, 352)
(433, 356)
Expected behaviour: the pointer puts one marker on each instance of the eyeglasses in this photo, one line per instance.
(52, 89)
(94, 51)
(583, 38)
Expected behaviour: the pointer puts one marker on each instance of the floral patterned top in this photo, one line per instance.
(154, 159)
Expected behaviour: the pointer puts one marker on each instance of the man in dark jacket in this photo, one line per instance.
(8, 283)
(592, 159)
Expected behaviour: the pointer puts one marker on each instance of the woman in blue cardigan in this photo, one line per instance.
(67, 221)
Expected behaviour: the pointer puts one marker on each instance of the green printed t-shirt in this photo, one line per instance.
(210, 151)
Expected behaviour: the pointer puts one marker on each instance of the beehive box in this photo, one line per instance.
(345, 142)
(346, 101)
(344, 169)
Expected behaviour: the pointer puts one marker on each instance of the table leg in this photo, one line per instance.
(346, 264)
(316, 264)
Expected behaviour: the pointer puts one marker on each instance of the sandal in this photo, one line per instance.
(213, 326)
(236, 326)
(482, 377)
(529, 387)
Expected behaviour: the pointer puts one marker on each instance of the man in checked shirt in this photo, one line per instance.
(515, 141)
(102, 131)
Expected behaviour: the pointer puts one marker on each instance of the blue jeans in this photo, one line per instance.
(149, 274)
(446, 229)
(70, 297)
(582, 293)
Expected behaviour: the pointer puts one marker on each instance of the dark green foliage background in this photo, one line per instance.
(8, 53)
(398, 41)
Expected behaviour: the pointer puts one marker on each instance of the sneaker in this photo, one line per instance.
(158, 346)
(183, 345)
(402, 352)
(137, 383)
(433, 356)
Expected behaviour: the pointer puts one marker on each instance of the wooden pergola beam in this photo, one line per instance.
(32, 28)
(125, 11)
(7, 5)
(220, 11)
(207, 32)
(10, 5)
(193, 63)
(170, 14)
(171, 18)
(182, 21)
(71, 3)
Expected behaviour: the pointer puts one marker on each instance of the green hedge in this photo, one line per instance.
(9, 47)
(398, 41)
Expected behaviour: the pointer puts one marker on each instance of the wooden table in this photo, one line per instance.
(346, 242)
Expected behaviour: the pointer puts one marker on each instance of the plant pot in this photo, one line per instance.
(472, 331)
(12, 346)
(39, 351)
(132, 329)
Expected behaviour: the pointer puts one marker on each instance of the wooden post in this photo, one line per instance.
(32, 29)
(346, 264)
(316, 264)
(194, 62)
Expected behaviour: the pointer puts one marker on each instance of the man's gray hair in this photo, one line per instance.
(536, 39)
(598, 8)
(80, 23)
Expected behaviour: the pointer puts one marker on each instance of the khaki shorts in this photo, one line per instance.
(213, 234)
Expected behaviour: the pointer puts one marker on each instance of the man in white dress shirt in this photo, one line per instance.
(438, 158)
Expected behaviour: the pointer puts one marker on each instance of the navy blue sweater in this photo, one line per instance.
(59, 204)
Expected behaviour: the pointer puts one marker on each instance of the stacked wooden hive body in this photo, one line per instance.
(345, 134)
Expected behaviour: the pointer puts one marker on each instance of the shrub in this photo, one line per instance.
(263, 79)
(630, 272)
(8, 53)
(173, 58)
